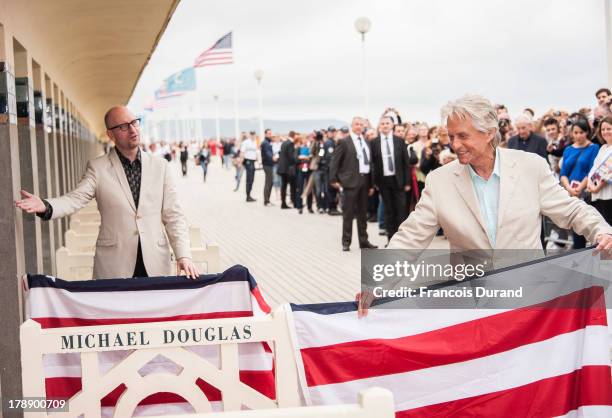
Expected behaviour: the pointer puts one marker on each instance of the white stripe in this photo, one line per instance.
(252, 357)
(59, 303)
(316, 330)
(526, 364)
(590, 411)
(161, 409)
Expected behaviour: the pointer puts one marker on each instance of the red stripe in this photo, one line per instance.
(457, 343)
(220, 63)
(545, 398)
(210, 62)
(260, 300)
(54, 322)
(66, 387)
(214, 59)
(210, 50)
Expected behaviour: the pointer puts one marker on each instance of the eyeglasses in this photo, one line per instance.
(125, 126)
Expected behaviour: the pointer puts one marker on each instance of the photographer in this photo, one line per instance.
(431, 156)
(430, 160)
(505, 130)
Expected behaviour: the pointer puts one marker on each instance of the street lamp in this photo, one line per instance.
(218, 130)
(363, 25)
(258, 76)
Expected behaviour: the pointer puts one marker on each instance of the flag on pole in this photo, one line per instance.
(177, 84)
(218, 54)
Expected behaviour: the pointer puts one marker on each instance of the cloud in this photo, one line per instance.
(549, 53)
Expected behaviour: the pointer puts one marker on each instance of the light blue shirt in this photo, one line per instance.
(487, 193)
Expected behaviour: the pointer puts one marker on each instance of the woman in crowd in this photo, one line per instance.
(204, 158)
(411, 135)
(237, 163)
(419, 148)
(577, 162)
(600, 182)
(303, 173)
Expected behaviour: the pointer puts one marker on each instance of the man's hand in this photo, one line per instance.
(30, 203)
(335, 185)
(604, 246)
(364, 300)
(185, 264)
(371, 191)
(407, 188)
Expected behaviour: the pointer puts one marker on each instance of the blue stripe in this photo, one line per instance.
(236, 273)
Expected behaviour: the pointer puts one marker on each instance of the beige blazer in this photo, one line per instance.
(122, 225)
(528, 190)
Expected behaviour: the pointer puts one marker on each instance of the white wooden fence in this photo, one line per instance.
(273, 328)
(372, 403)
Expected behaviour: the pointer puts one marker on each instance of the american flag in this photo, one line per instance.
(218, 54)
(55, 303)
(551, 359)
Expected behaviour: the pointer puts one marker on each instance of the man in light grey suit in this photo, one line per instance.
(138, 203)
(491, 198)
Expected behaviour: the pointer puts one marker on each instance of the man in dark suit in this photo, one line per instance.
(526, 140)
(391, 174)
(350, 170)
(267, 162)
(286, 170)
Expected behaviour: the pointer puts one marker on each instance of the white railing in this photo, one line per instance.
(273, 329)
(371, 403)
(78, 265)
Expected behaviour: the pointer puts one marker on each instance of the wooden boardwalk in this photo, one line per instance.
(294, 258)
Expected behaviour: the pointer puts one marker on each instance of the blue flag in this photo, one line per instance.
(179, 82)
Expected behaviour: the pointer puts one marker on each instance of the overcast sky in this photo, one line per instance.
(420, 53)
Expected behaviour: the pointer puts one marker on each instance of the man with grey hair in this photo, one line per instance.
(526, 140)
(492, 198)
(350, 172)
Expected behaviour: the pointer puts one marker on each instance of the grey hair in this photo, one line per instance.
(479, 109)
(523, 118)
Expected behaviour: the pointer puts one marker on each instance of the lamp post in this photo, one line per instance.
(258, 76)
(218, 130)
(363, 25)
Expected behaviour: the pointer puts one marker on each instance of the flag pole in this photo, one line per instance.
(236, 122)
(198, 120)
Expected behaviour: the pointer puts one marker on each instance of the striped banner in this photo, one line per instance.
(56, 303)
(548, 359)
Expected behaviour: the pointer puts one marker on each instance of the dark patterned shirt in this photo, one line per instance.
(133, 173)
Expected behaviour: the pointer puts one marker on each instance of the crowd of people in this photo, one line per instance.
(300, 166)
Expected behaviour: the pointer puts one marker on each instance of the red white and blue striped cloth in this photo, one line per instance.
(543, 360)
(55, 303)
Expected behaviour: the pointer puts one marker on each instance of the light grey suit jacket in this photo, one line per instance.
(159, 214)
(528, 189)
